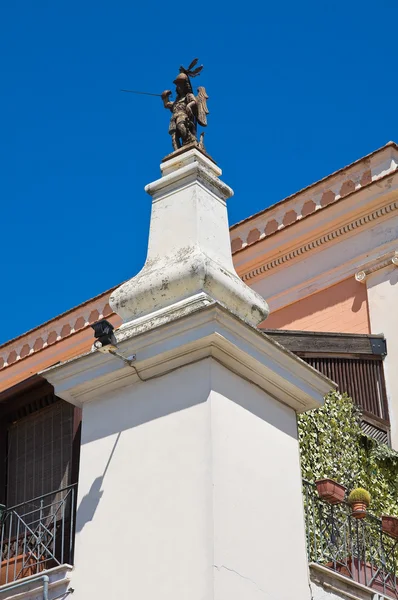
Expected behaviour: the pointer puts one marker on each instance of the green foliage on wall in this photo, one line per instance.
(333, 445)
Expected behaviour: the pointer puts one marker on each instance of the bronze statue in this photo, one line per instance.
(187, 109)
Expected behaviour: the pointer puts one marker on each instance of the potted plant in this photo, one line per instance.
(359, 500)
(21, 565)
(331, 491)
(390, 525)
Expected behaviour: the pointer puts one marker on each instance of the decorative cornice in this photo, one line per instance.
(55, 330)
(210, 332)
(322, 240)
(391, 258)
(372, 168)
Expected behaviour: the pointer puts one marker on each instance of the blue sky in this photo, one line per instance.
(296, 91)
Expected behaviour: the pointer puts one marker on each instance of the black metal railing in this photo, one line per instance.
(356, 548)
(37, 534)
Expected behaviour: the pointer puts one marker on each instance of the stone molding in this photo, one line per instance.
(325, 239)
(320, 195)
(210, 332)
(385, 260)
(59, 581)
(313, 283)
(325, 581)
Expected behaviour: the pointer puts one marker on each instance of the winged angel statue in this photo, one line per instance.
(187, 109)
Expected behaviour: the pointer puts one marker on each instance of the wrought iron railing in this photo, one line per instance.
(37, 535)
(356, 548)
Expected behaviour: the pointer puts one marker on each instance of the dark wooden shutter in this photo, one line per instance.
(361, 378)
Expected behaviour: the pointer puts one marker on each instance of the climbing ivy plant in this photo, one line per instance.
(333, 445)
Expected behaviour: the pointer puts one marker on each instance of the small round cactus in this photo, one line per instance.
(359, 495)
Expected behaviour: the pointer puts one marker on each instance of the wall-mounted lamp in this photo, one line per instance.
(106, 341)
(103, 332)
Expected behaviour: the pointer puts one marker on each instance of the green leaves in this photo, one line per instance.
(332, 445)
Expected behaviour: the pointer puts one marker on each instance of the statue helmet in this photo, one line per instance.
(181, 78)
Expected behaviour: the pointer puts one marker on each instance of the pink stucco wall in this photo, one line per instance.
(340, 308)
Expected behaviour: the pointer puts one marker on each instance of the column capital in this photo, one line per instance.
(382, 261)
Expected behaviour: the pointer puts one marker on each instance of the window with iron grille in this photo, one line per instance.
(40, 453)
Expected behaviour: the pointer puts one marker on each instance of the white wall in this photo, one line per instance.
(183, 493)
(143, 528)
(258, 506)
(383, 313)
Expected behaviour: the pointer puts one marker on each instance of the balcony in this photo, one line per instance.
(37, 535)
(357, 549)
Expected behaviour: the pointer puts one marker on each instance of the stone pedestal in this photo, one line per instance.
(189, 248)
(189, 481)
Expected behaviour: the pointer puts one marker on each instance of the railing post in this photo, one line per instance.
(72, 521)
(40, 532)
(2, 525)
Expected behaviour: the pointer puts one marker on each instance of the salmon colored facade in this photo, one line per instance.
(343, 307)
(326, 258)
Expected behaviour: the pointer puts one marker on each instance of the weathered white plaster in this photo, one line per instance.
(383, 314)
(189, 246)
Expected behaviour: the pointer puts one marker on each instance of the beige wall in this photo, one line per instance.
(340, 308)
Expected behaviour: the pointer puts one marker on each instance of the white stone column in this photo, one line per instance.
(189, 246)
(189, 481)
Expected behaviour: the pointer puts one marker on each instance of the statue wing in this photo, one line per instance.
(201, 104)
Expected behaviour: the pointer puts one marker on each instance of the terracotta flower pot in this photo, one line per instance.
(19, 566)
(330, 491)
(390, 525)
(359, 510)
